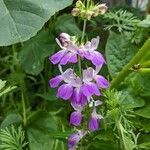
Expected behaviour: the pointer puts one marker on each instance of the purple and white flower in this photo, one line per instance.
(92, 82)
(67, 52)
(74, 139)
(94, 121)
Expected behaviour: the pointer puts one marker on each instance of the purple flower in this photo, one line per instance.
(89, 52)
(75, 138)
(92, 82)
(94, 121)
(68, 52)
(65, 91)
(75, 118)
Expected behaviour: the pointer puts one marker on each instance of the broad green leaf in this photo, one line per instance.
(39, 131)
(144, 112)
(35, 51)
(66, 23)
(119, 51)
(21, 20)
(10, 119)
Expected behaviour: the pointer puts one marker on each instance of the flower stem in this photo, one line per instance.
(82, 39)
(136, 59)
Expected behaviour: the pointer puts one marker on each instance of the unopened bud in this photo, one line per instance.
(75, 12)
(79, 4)
(102, 8)
(89, 14)
(95, 12)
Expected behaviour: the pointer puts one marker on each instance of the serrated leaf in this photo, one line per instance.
(35, 51)
(21, 20)
(119, 51)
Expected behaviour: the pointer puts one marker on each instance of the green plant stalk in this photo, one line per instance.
(24, 110)
(145, 64)
(144, 70)
(126, 70)
(82, 38)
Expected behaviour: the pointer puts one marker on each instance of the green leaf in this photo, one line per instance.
(118, 52)
(144, 112)
(21, 20)
(41, 128)
(10, 119)
(66, 23)
(145, 23)
(35, 51)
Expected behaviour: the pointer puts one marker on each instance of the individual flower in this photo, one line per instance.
(92, 82)
(75, 138)
(75, 118)
(65, 90)
(67, 52)
(93, 124)
(90, 53)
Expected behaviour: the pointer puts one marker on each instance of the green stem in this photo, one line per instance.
(82, 39)
(144, 70)
(146, 64)
(24, 110)
(126, 70)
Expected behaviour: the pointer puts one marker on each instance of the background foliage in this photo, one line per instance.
(31, 116)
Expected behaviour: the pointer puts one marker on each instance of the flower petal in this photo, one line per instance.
(73, 58)
(65, 59)
(97, 58)
(88, 74)
(65, 91)
(78, 98)
(101, 81)
(57, 56)
(94, 43)
(93, 124)
(75, 118)
(90, 89)
(54, 82)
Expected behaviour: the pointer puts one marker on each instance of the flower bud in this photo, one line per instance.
(89, 14)
(79, 4)
(102, 8)
(75, 11)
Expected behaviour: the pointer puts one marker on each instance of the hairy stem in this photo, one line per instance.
(136, 59)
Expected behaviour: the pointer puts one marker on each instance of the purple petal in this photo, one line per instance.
(75, 138)
(78, 98)
(90, 89)
(65, 59)
(57, 56)
(101, 81)
(75, 118)
(54, 82)
(97, 58)
(65, 91)
(73, 58)
(93, 124)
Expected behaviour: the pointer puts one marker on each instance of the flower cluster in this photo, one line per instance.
(89, 10)
(79, 90)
